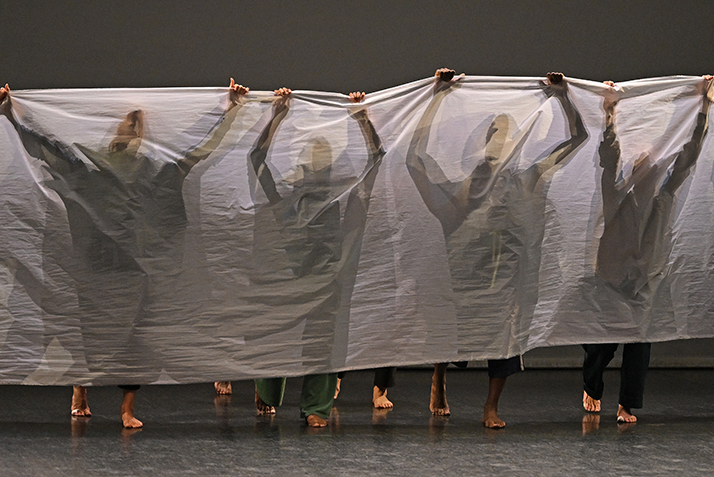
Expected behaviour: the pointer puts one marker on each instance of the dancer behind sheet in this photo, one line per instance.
(126, 219)
(305, 252)
(489, 220)
(322, 253)
(635, 244)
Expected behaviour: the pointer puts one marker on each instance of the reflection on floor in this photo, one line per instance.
(190, 431)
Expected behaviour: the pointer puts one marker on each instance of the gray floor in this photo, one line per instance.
(187, 432)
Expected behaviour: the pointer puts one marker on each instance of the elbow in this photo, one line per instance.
(580, 136)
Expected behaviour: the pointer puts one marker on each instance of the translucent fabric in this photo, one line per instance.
(177, 236)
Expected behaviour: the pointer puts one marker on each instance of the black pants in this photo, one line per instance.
(503, 368)
(383, 377)
(635, 361)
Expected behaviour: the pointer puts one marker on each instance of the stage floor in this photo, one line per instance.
(188, 431)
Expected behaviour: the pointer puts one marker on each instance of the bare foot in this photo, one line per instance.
(491, 419)
(590, 404)
(337, 388)
(261, 408)
(315, 421)
(127, 410)
(80, 408)
(437, 402)
(591, 423)
(379, 399)
(223, 387)
(624, 415)
(130, 422)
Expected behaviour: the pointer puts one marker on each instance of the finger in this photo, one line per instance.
(555, 77)
(233, 84)
(447, 74)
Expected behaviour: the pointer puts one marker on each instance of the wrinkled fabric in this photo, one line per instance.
(176, 236)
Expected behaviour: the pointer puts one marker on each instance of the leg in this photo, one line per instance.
(340, 375)
(490, 409)
(383, 379)
(438, 404)
(318, 391)
(635, 361)
(80, 408)
(268, 395)
(498, 371)
(223, 387)
(597, 357)
(127, 407)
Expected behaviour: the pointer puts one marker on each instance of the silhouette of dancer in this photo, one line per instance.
(126, 215)
(635, 245)
(493, 225)
(321, 246)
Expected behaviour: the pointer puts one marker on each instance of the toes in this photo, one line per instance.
(316, 421)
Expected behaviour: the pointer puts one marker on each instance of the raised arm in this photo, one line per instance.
(374, 143)
(434, 187)
(687, 157)
(202, 151)
(260, 152)
(609, 152)
(59, 157)
(556, 86)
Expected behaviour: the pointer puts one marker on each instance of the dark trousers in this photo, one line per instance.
(503, 368)
(383, 377)
(635, 361)
(318, 392)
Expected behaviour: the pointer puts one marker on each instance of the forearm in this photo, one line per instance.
(609, 150)
(372, 139)
(690, 152)
(258, 157)
(578, 135)
(54, 154)
(575, 121)
(219, 131)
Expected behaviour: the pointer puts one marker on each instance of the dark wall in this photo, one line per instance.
(343, 45)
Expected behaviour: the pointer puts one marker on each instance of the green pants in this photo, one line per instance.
(318, 392)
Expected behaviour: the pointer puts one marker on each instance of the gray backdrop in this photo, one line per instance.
(343, 45)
